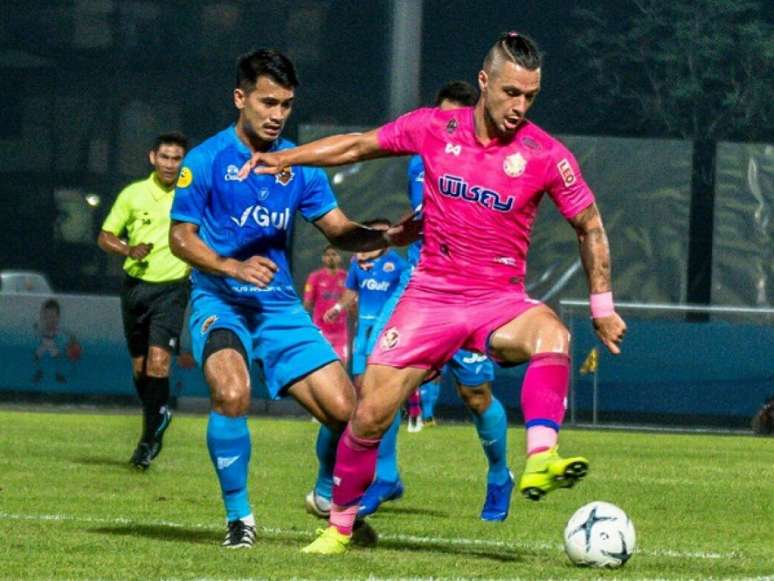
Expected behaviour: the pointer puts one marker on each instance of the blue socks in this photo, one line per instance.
(327, 442)
(387, 460)
(228, 441)
(429, 393)
(386, 463)
(492, 428)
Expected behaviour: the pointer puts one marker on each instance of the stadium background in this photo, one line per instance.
(89, 83)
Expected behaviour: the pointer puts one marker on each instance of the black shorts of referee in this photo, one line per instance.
(153, 313)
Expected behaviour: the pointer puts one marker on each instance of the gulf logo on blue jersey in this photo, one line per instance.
(376, 282)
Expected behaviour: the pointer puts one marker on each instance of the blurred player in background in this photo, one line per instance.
(235, 232)
(414, 411)
(154, 293)
(372, 279)
(486, 170)
(322, 291)
(472, 373)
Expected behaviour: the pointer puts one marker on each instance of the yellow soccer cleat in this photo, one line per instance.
(329, 542)
(547, 471)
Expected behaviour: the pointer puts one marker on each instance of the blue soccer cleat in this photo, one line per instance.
(498, 500)
(380, 491)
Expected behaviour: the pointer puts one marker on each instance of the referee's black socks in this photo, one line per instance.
(139, 386)
(156, 398)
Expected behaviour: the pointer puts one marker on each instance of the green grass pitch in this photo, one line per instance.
(70, 507)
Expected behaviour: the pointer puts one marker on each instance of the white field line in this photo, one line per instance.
(417, 540)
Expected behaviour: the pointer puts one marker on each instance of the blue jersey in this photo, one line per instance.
(243, 218)
(375, 285)
(416, 190)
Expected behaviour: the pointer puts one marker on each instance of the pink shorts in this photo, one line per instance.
(340, 344)
(430, 323)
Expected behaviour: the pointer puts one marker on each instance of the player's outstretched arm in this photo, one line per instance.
(333, 150)
(595, 256)
(345, 234)
(407, 230)
(185, 243)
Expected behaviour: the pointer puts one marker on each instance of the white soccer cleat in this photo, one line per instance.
(415, 425)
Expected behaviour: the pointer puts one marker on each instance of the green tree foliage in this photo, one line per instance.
(699, 69)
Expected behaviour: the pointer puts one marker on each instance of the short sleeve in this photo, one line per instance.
(317, 198)
(120, 213)
(407, 133)
(566, 186)
(416, 182)
(193, 188)
(351, 283)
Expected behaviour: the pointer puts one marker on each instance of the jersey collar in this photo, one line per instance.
(157, 190)
(494, 143)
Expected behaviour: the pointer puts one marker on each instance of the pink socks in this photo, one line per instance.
(414, 404)
(352, 474)
(544, 399)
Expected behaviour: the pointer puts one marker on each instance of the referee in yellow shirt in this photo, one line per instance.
(155, 288)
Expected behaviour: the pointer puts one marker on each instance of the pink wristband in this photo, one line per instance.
(601, 305)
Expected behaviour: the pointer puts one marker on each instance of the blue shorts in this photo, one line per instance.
(467, 367)
(280, 336)
(387, 309)
(470, 368)
(362, 345)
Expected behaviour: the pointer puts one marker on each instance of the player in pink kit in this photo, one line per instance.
(322, 292)
(486, 170)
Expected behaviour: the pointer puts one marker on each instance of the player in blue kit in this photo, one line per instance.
(372, 279)
(472, 373)
(235, 233)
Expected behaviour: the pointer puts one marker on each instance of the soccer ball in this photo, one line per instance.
(599, 534)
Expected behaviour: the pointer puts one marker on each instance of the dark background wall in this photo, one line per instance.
(87, 84)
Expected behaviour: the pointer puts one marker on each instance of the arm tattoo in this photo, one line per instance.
(594, 250)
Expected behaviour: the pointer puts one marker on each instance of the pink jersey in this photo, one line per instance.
(323, 289)
(481, 201)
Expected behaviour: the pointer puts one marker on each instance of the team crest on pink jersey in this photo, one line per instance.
(451, 126)
(514, 165)
(390, 339)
